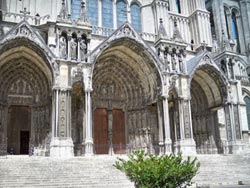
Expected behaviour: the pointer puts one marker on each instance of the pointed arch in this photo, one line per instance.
(126, 81)
(27, 75)
(208, 93)
(23, 47)
(127, 35)
(211, 79)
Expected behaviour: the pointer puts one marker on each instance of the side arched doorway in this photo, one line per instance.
(208, 93)
(125, 85)
(25, 99)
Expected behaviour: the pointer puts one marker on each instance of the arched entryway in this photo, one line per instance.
(25, 98)
(125, 85)
(208, 93)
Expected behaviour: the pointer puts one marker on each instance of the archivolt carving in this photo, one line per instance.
(32, 78)
(24, 35)
(133, 41)
(124, 78)
(25, 82)
(207, 92)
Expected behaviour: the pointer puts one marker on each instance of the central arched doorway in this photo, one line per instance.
(125, 85)
(208, 93)
(25, 99)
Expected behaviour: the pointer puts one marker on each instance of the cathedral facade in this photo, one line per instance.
(110, 76)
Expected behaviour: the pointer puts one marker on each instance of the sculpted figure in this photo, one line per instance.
(181, 64)
(173, 62)
(167, 64)
(73, 46)
(62, 47)
(24, 30)
(83, 50)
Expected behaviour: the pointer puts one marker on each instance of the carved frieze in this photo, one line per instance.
(63, 114)
(186, 119)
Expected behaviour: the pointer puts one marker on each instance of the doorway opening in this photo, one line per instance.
(19, 126)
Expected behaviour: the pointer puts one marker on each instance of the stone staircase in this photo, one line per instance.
(95, 172)
(98, 172)
(223, 169)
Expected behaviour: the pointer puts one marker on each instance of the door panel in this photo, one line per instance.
(24, 142)
(119, 141)
(18, 130)
(101, 131)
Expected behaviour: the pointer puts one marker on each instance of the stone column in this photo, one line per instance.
(160, 124)
(78, 49)
(227, 67)
(167, 141)
(229, 122)
(187, 143)
(88, 111)
(3, 129)
(3, 149)
(231, 113)
(181, 120)
(110, 131)
(228, 17)
(61, 142)
(242, 44)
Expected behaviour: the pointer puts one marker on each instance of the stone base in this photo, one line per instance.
(40, 151)
(186, 147)
(161, 148)
(246, 136)
(168, 147)
(89, 147)
(62, 148)
(235, 147)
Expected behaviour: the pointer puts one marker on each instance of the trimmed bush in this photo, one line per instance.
(151, 171)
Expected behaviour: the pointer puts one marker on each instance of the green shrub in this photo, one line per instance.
(151, 171)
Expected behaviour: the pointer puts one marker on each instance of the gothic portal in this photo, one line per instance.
(108, 77)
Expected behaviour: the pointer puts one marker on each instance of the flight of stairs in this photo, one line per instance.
(85, 172)
(223, 169)
(98, 172)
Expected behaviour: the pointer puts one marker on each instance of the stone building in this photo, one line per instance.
(109, 76)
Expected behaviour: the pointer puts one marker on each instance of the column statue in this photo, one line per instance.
(83, 49)
(73, 46)
(62, 47)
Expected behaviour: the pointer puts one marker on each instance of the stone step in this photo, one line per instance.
(98, 171)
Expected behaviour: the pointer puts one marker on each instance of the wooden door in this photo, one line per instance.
(119, 141)
(24, 142)
(101, 131)
(18, 130)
